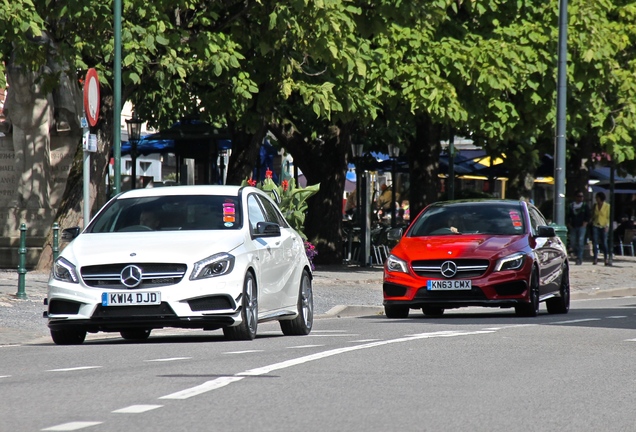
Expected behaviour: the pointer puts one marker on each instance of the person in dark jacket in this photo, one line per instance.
(578, 216)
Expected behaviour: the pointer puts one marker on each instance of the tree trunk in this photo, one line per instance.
(70, 213)
(578, 165)
(322, 161)
(245, 154)
(423, 156)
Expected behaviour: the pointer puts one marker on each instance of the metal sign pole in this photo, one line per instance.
(89, 142)
(86, 172)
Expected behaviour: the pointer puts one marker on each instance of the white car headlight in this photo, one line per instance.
(64, 271)
(395, 264)
(511, 262)
(212, 266)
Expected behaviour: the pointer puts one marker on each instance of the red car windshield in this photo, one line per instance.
(470, 218)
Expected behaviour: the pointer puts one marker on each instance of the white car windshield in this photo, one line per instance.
(169, 213)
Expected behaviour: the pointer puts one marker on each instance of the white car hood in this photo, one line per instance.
(161, 246)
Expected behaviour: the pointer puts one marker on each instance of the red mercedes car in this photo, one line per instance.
(493, 253)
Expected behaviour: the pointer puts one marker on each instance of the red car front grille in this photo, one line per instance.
(466, 268)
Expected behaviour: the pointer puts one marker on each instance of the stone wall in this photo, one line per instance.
(38, 221)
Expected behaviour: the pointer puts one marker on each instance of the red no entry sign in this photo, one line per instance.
(91, 96)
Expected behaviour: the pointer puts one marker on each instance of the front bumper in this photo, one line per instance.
(122, 318)
(501, 290)
(207, 304)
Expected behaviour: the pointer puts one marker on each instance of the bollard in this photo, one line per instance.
(21, 294)
(56, 241)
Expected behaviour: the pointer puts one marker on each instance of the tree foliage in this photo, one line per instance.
(320, 75)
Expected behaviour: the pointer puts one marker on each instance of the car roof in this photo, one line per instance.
(477, 202)
(231, 190)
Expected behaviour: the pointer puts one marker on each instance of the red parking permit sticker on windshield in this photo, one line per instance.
(229, 212)
(516, 219)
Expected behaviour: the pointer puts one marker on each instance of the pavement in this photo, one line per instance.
(339, 291)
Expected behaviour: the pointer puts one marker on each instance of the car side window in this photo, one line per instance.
(535, 220)
(272, 213)
(255, 213)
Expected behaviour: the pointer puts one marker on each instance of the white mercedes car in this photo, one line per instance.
(205, 257)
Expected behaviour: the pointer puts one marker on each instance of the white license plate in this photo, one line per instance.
(434, 285)
(131, 298)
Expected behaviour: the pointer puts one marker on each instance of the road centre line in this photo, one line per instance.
(304, 346)
(331, 335)
(293, 362)
(169, 359)
(74, 369)
(203, 388)
(328, 331)
(72, 426)
(575, 321)
(224, 381)
(137, 409)
(5, 376)
(616, 316)
(243, 352)
(510, 326)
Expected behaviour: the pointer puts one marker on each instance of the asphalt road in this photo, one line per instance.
(473, 369)
(338, 291)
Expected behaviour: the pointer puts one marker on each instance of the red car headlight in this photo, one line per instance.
(511, 262)
(395, 264)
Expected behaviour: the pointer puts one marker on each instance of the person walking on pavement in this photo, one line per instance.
(600, 227)
(577, 218)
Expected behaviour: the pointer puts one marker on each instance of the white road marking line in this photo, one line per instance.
(331, 335)
(576, 321)
(137, 409)
(5, 376)
(243, 352)
(74, 369)
(328, 331)
(304, 346)
(72, 426)
(223, 381)
(169, 359)
(616, 316)
(630, 340)
(519, 325)
(363, 340)
(203, 388)
(293, 362)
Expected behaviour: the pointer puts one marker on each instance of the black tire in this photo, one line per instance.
(396, 311)
(531, 309)
(430, 311)
(249, 313)
(135, 334)
(301, 325)
(68, 336)
(561, 304)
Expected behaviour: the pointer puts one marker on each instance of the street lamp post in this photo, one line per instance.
(451, 167)
(394, 153)
(357, 151)
(134, 133)
(223, 164)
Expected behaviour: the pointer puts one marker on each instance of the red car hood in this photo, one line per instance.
(458, 246)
